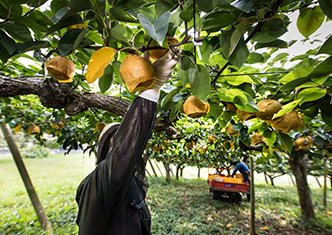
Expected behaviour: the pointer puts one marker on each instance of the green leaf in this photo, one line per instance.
(56, 5)
(232, 95)
(311, 94)
(299, 57)
(187, 60)
(271, 31)
(119, 33)
(187, 13)
(274, 44)
(238, 80)
(215, 109)
(322, 69)
(99, 6)
(309, 20)
(8, 46)
(217, 20)
(293, 84)
(29, 46)
(4, 54)
(78, 6)
(18, 31)
(255, 57)
(162, 6)
(256, 126)
(238, 34)
(82, 57)
(71, 38)
(8, 11)
(326, 6)
(175, 109)
(270, 137)
(106, 80)
(286, 140)
(296, 74)
(326, 47)
(168, 99)
(243, 5)
(199, 80)
(120, 15)
(326, 112)
(240, 53)
(72, 20)
(206, 50)
(249, 106)
(204, 5)
(158, 29)
(280, 56)
(287, 108)
(37, 21)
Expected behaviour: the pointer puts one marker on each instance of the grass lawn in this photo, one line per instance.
(182, 207)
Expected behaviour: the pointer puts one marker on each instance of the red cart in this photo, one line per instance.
(222, 186)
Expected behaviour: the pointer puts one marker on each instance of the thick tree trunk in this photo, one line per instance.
(42, 217)
(179, 171)
(266, 181)
(299, 169)
(272, 181)
(168, 170)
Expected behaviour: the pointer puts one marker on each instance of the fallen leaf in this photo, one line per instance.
(229, 225)
(283, 222)
(329, 212)
(265, 228)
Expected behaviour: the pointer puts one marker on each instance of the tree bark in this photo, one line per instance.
(53, 94)
(298, 164)
(41, 215)
(179, 170)
(168, 170)
(266, 181)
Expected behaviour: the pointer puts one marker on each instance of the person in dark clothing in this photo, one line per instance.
(111, 199)
(242, 168)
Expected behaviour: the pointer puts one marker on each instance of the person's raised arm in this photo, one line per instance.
(135, 130)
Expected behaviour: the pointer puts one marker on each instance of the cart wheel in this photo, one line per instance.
(248, 197)
(235, 197)
(214, 194)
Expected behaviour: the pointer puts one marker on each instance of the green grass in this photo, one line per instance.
(182, 207)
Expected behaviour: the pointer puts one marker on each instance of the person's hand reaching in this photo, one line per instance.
(163, 69)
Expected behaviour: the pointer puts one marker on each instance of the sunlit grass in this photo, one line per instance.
(182, 207)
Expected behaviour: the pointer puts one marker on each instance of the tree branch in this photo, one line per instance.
(57, 95)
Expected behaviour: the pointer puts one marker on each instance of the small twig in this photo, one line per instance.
(95, 113)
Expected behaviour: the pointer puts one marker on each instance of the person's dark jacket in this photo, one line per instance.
(106, 206)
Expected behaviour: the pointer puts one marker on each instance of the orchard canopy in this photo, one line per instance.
(232, 56)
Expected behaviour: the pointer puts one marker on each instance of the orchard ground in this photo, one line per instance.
(182, 207)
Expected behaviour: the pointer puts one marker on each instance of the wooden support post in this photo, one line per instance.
(325, 186)
(154, 172)
(252, 198)
(42, 217)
